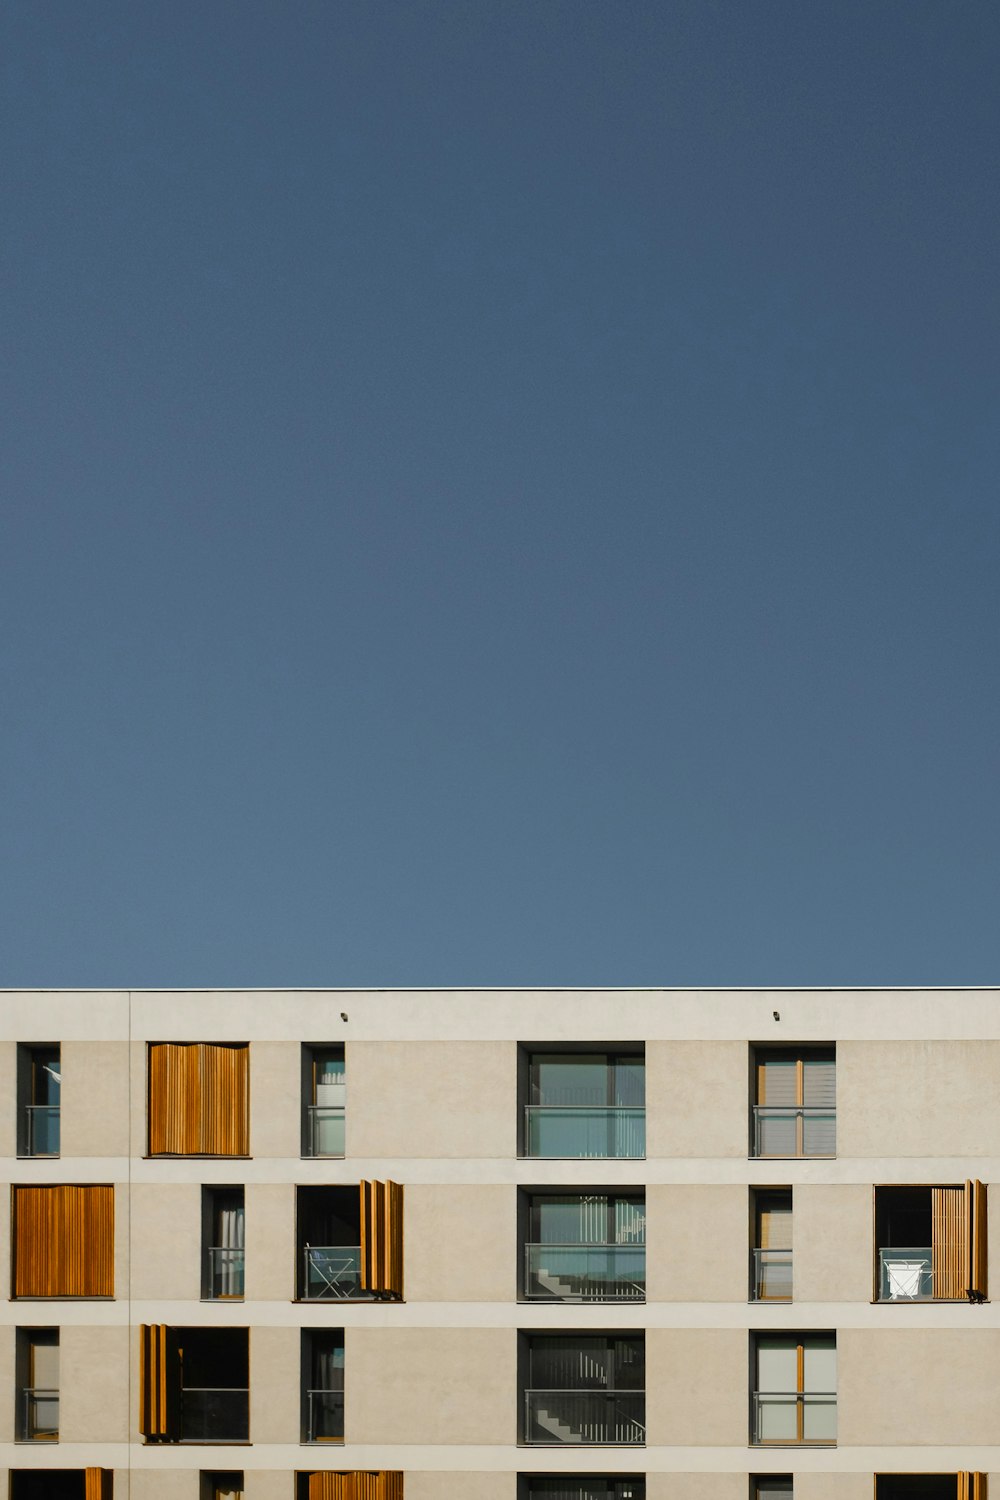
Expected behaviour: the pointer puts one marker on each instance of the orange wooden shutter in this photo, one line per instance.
(972, 1486)
(159, 1382)
(949, 1251)
(198, 1097)
(975, 1197)
(382, 1238)
(98, 1484)
(64, 1241)
(381, 1484)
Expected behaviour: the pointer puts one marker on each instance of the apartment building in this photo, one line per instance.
(500, 1245)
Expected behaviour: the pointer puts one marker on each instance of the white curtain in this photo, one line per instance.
(230, 1231)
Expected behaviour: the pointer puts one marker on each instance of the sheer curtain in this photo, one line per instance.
(230, 1232)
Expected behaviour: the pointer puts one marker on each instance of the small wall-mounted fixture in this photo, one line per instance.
(774, 1014)
(343, 1015)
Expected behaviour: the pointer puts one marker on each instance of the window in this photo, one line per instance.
(350, 1241)
(62, 1484)
(324, 1096)
(223, 1241)
(352, 1484)
(585, 1389)
(770, 1487)
(585, 1487)
(39, 1080)
(198, 1099)
(794, 1107)
(37, 1376)
(322, 1385)
(963, 1486)
(221, 1484)
(795, 1400)
(585, 1104)
(585, 1247)
(771, 1247)
(64, 1241)
(194, 1384)
(931, 1243)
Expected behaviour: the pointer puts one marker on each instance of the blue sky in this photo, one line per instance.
(499, 493)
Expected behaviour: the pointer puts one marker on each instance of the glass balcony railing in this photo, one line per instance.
(770, 1275)
(226, 1271)
(905, 1275)
(214, 1414)
(564, 1130)
(331, 1272)
(576, 1416)
(41, 1134)
(39, 1415)
(325, 1133)
(794, 1416)
(324, 1416)
(794, 1130)
(585, 1273)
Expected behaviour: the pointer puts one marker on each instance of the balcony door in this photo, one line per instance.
(796, 1396)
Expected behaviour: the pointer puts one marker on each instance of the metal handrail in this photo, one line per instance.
(919, 1258)
(29, 1429)
(316, 1115)
(800, 1114)
(33, 1110)
(218, 1268)
(311, 1424)
(626, 1127)
(607, 1288)
(764, 1260)
(591, 1429)
(800, 1400)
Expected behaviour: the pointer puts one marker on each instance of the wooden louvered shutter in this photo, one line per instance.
(198, 1098)
(392, 1485)
(381, 1484)
(159, 1382)
(975, 1202)
(98, 1484)
(64, 1241)
(972, 1486)
(949, 1252)
(382, 1238)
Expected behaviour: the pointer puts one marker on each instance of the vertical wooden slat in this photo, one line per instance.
(949, 1237)
(98, 1484)
(357, 1484)
(976, 1283)
(964, 1486)
(63, 1240)
(381, 1212)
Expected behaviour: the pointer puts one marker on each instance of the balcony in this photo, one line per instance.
(770, 1276)
(325, 1416)
(39, 1415)
(41, 1129)
(331, 1272)
(325, 1129)
(794, 1417)
(585, 1273)
(791, 1130)
(214, 1414)
(575, 1416)
(560, 1131)
(225, 1272)
(905, 1275)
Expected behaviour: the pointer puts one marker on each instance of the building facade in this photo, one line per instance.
(500, 1245)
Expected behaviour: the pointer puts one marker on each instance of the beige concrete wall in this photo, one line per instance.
(275, 1385)
(94, 1102)
(270, 1241)
(909, 1098)
(269, 1484)
(276, 1099)
(426, 1099)
(138, 1136)
(463, 1486)
(697, 1098)
(919, 1386)
(460, 1243)
(166, 1241)
(692, 1486)
(696, 1387)
(826, 1486)
(93, 1384)
(165, 1484)
(832, 1242)
(697, 1243)
(433, 1385)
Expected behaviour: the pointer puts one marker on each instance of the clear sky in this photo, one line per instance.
(499, 492)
